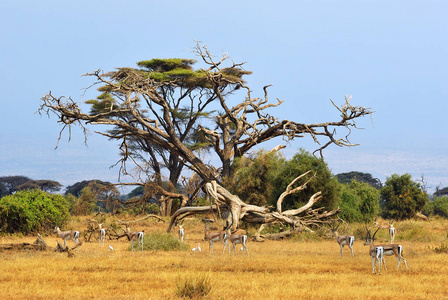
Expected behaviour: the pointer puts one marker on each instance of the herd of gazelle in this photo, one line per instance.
(74, 235)
(376, 252)
(224, 237)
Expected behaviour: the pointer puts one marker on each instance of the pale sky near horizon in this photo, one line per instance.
(391, 56)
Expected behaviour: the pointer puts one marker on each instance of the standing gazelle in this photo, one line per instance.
(181, 233)
(102, 232)
(237, 239)
(72, 234)
(214, 236)
(389, 227)
(344, 240)
(389, 249)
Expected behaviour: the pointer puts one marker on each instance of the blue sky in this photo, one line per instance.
(391, 56)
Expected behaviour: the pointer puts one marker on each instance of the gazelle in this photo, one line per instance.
(102, 234)
(389, 249)
(214, 236)
(237, 239)
(73, 234)
(344, 240)
(136, 235)
(389, 227)
(181, 233)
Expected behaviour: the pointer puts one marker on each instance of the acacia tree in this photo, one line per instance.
(140, 95)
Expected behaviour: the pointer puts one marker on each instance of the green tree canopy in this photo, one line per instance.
(359, 202)
(401, 198)
(300, 163)
(254, 175)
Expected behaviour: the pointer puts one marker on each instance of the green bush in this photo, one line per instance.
(164, 242)
(32, 210)
(440, 206)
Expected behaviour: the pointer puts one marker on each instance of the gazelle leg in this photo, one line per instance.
(405, 263)
(373, 265)
(226, 244)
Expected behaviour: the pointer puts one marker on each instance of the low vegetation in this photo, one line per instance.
(32, 210)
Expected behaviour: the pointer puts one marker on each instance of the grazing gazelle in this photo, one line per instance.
(389, 227)
(343, 240)
(389, 249)
(72, 234)
(136, 235)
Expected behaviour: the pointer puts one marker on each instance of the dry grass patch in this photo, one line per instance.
(274, 270)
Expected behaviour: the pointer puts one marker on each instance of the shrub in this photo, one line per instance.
(442, 249)
(196, 286)
(163, 241)
(32, 210)
(441, 206)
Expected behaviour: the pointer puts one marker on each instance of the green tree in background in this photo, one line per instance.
(44, 185)
(325, 182)
(360, 177)
(11, 184)
(86, 203)
(32, 210)
(401, 198)
(253, 176)
(437, 207)
(359, 202)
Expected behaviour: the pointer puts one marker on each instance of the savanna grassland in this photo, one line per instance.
(305, 267)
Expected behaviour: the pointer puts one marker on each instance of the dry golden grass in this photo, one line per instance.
(274, 270)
